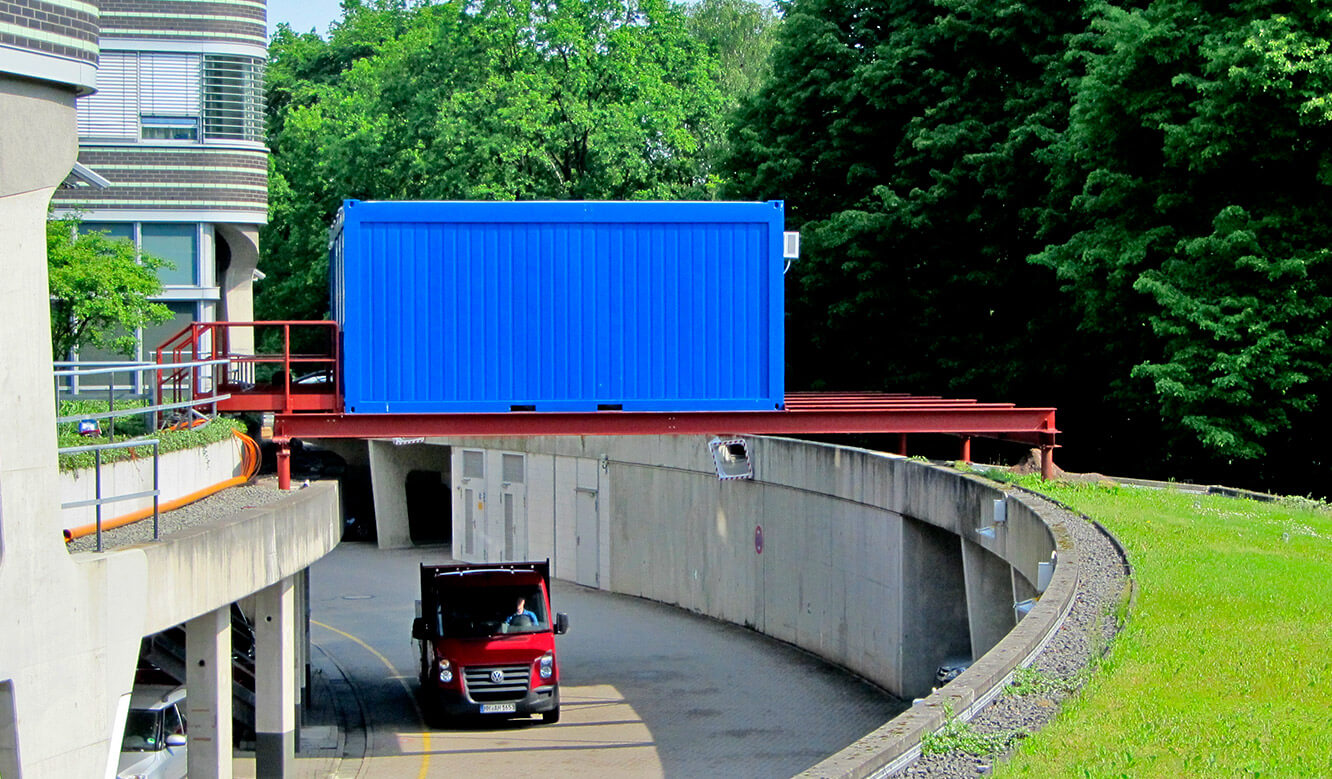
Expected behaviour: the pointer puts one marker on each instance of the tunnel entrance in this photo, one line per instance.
(429, 508)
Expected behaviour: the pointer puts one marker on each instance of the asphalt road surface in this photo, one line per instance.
(648, 690)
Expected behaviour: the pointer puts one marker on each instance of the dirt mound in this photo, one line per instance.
(1032, 464)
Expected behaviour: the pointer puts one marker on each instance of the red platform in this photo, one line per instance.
(303, 390)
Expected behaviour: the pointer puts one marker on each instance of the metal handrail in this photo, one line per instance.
(98, 500)
(213, 338)
(136, 367)
(131, 412)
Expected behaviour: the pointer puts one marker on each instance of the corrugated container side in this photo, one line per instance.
(474, 307)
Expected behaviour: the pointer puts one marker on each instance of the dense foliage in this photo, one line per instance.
(1112, 208)
(100, 290)
(493, 100)
(1109, 207)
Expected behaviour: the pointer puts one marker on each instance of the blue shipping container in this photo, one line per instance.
(559, 306)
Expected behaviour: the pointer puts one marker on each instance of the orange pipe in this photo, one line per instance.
(250, 460)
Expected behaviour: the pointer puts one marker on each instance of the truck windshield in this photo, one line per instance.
(470, 612)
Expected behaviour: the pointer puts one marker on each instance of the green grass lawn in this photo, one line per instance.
(1224, 667)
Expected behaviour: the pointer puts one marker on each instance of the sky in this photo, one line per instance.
(303, 15)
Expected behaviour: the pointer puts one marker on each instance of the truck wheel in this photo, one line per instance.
(431, 711)
(551, 717)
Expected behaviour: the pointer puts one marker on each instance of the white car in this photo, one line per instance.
(154, 743)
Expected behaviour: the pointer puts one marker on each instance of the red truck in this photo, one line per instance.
(487, 641)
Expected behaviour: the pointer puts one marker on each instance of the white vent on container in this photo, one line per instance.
(790, 246)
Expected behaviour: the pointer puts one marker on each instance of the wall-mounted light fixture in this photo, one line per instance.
(1045, 571)
(731, 458)
(998, 517)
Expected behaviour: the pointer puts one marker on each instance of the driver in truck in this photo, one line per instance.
(521, 611)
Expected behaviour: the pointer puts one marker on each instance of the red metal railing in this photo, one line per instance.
(280, 380)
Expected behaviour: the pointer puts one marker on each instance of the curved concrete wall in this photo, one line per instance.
(880, 564)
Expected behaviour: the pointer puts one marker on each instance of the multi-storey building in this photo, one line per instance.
(174, 135)
(176, 128)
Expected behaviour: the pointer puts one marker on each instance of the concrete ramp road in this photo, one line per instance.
(647, 690)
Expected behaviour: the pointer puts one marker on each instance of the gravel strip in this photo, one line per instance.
(222, 504)
(1083, 637)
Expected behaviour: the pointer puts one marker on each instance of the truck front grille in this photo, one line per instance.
(482, 687)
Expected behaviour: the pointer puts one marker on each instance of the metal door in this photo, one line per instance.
(513, 498)
(471, 491)
(588, 536)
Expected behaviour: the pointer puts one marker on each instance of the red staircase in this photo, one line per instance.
(279, 380)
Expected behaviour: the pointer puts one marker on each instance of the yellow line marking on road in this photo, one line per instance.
(425, 735)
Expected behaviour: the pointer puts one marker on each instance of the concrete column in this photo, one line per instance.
(9, 751)
(208, 680)
(934, 605)
(275, 680)
(989, 596)
(238, 282)
(388, 479)
(302, 654)
(49, 726)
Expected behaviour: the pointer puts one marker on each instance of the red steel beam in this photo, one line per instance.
(1032, 425)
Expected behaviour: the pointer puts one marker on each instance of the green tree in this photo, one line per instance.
(101, 290)
(495, 100)
(1186, 219)
(1111, 207)
(902, 136)
(740, 34)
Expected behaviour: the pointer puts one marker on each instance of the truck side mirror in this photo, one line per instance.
(561, 623)
(419, 631)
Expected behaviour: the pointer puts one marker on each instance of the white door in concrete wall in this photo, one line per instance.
(471, 506)
(513, 505)
(587, 524)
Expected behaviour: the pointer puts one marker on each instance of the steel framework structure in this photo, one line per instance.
(314, 410)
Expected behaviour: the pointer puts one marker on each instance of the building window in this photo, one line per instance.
(175, 97)
(169, 128)
(183, 314)
(112, 112)
(178, 243)
(233, 97)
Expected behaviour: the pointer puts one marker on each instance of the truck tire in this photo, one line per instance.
(552, 716)
(431, 712)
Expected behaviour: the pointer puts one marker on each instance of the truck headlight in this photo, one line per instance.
(546, 666)
(445, 672)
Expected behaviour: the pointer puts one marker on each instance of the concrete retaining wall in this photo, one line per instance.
(180, 473)
(869, 560)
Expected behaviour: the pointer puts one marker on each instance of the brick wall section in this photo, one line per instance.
(50, 19)
(127, 168)
(170, 19)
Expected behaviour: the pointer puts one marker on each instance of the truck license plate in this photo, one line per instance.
(499, 708)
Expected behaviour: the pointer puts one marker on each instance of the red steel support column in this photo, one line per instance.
(966, 448)
(902, 444)
(1047, 462)
(283, 462)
